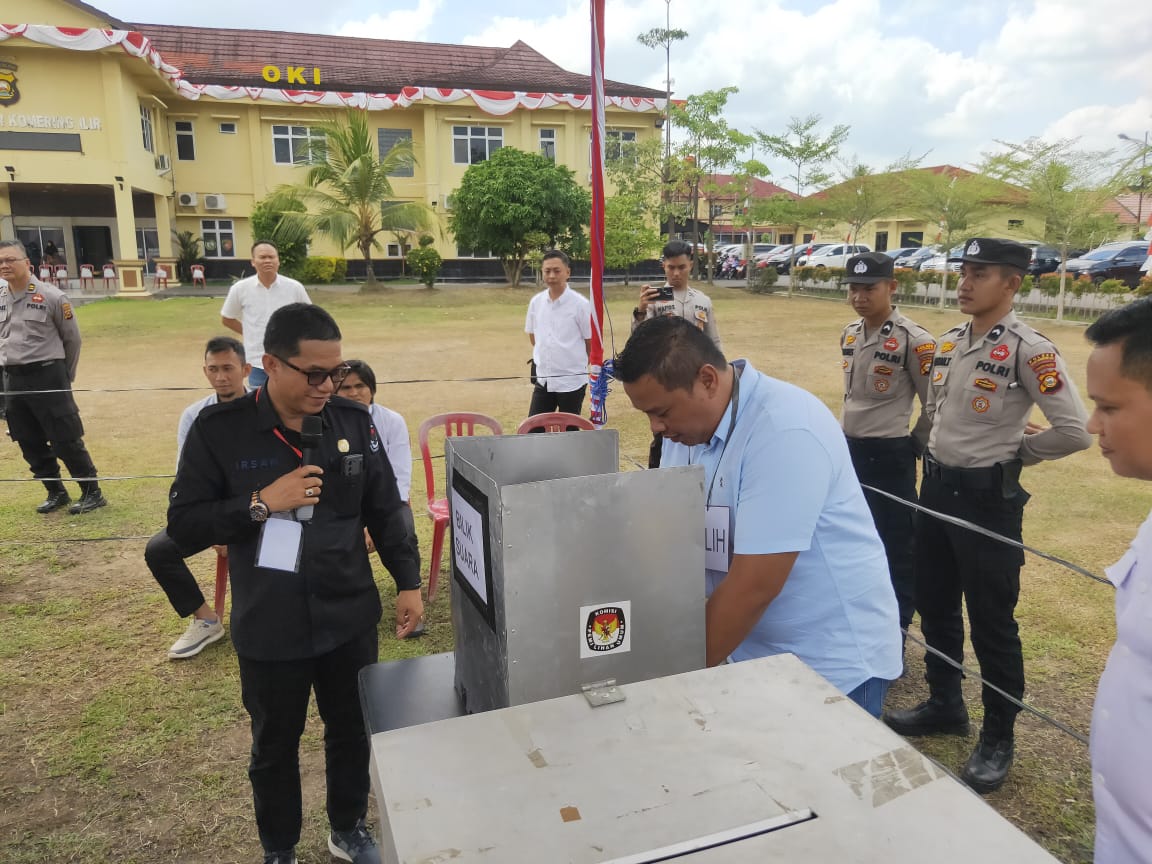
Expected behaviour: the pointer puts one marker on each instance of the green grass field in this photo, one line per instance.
(114, 753)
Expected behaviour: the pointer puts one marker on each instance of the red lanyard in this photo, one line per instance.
(299, 453)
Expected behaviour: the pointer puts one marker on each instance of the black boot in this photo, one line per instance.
(57, 497)
(987, 767)
(938, 715)
(92, 499)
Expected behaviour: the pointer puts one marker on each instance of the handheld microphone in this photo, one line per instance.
(311, 437)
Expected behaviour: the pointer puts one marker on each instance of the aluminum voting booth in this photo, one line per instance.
(567, 572)
(595, 735)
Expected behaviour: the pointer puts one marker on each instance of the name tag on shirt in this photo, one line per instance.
(717, 538)
(279, 546)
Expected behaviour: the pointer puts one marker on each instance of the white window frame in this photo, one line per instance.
(147, 128)
(292, 134)
(189, 133)
(615, 141)
(228, 127)
(213, 231)
(548, 144)
(473, 136)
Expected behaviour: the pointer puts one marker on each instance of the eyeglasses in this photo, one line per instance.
(317, 377)
(8, 262)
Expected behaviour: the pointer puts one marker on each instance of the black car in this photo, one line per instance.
(1045, 259)
(914, 259)
(1111, 261)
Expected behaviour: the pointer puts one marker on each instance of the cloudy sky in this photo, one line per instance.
(939, 77)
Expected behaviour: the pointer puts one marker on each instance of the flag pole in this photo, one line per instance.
(599, 372)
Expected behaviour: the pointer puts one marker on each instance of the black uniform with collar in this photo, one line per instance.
(312, 629)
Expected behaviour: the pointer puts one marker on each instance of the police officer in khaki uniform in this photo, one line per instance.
(986, 376)
(887, 359)
(678, 298)
(39, 350)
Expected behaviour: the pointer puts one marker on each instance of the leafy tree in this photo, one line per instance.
(956, 200)
(629, 235)
(710, 146)
(293, 247)
(425, 261)
(665, 37)
(347, 192)
(501, 200)
(188, 252)
(864, 195)
(1067, 188)
(808, 154)
(639, 175)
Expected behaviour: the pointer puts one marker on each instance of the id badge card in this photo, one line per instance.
(717, 538)
(281, 539)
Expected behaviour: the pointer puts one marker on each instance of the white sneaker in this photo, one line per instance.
(199, 635)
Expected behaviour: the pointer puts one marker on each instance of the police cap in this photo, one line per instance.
(869, 268)
(991, 250)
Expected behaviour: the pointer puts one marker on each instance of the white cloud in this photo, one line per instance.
(410, 25)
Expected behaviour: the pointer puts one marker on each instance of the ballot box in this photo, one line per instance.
(567, 572)
(760, 761)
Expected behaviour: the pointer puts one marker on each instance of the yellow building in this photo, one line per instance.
(113, 136)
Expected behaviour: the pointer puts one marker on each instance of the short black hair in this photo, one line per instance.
(264, 243)
(289, 325)
(671, 350)
(556, 253)
(359, 367)
(1131, 327)
(676, 248)
(220, 344)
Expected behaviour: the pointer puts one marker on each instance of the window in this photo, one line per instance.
(395, 250)
(619, 144)
(911, 238)
(228, 127)
(146, 129)
(1015, 223)
(218, 238)
(881, 241)
(389, 138)
(185, 141)
(548, 144)
(463, 252)
(291, 145)
(472, 144)
(717, 210)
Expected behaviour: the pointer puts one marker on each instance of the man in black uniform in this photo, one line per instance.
(304, 604)
(40, 350)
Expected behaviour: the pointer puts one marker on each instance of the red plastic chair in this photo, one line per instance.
(46, 274)
(87, 276)
(221, 585)
(110, 278)
(458, 424)
(198, 275)
(161, 277)
(554, 421)
(62, 276)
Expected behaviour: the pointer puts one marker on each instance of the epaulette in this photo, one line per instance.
(1028, 335)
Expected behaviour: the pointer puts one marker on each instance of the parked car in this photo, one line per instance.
(914, 259)
(781, 260)
(1111, 261)
(896, 254)
(938, 263)
(832, 255)
(1045, 259)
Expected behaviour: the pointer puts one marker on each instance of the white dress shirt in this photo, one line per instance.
(561, 328)
(250, 303)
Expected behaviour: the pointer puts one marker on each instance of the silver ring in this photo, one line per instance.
(308, 492)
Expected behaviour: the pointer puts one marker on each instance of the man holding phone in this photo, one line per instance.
(675, 297)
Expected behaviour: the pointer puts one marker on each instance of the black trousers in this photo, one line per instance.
(166, 561)
(48, 425)
(276, 697)
(544, 401)
(890, 464)
(954, 563)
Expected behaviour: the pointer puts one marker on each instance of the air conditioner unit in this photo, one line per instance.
(186, 199)
(163, 163)
(215, 202)
(446, 201)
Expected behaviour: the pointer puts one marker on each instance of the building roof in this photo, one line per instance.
(235, 58)
(760, 188)
(1126, 205)
(1000, 192)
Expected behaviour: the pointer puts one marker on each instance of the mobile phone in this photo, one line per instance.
(664, 292)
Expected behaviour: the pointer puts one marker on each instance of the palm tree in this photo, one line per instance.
(347, 192)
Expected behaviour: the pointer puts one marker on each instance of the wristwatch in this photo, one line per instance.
(258, 510)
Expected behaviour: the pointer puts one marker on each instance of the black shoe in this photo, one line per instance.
(54, 502)
(936, 716)
(88, 501)
(987, 767)
(287, 857)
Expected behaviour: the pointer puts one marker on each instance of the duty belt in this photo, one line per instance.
(29, 368)
(878, 446)
(991, 477)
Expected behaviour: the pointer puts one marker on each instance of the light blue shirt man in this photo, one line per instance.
(783, 470)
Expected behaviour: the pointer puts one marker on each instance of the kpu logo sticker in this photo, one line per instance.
(606, 629)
